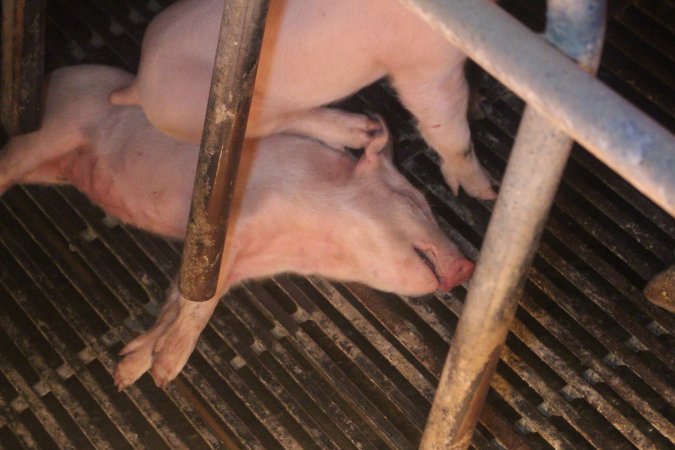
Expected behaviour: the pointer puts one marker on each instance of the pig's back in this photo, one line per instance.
(314, 52)
(319, 51)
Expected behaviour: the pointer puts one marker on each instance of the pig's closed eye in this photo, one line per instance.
(426, 259)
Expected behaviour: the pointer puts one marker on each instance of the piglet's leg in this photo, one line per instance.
(166, 347)
(439, 98)
(24, 155)
(333, 127)
(6, 178)
(20, 156)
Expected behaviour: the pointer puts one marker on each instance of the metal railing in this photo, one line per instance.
(530, 182)
(23, 49)
(617, 133)
(234, 71)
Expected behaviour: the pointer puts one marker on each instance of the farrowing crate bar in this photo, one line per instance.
(23, 50)
(234, 72)
(527, 191)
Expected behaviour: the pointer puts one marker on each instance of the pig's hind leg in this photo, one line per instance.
(438, 97)
(33, 158)
(334, 127)
(165, 348)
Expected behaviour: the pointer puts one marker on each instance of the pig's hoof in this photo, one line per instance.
(485, 194)
(335, 128)
(137, 360)
(470, 176)
(354, 131)
(172, 351)
(476, 188)
(164, 352)
(165, 349)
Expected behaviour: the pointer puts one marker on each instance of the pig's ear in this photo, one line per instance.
(381, 145)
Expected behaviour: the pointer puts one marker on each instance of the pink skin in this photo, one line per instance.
(314, 52)
(299, 206)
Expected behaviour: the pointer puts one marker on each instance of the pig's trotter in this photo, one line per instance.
(336, 128)
(133, 365)
(138, 354)
(175, 345)
(438, 97)
(465, 171)
(165, 349)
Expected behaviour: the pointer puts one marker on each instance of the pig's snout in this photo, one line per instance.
(449, 271)
(455, 273)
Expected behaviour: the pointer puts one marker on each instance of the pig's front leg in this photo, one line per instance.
(166, 347)
(336, 128)
(439, 99)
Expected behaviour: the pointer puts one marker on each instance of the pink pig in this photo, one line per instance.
(299, 206)
(313, 53)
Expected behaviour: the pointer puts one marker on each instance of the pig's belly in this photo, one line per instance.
(128, 199)
(135, 173)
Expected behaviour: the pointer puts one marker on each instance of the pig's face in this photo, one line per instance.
(396, 244)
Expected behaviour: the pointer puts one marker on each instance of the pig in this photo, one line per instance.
(313, 53)
(299, 206)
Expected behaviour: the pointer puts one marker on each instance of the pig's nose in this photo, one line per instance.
(456, 273)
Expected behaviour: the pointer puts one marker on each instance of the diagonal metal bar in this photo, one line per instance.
(617, 133)
(232, 83)
(531, 180)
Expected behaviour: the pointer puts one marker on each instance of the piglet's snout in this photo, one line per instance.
(455, 273)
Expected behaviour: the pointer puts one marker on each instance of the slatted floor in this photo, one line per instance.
(292, 362)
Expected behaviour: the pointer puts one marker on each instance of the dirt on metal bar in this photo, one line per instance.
(23, 33)
(234, 72)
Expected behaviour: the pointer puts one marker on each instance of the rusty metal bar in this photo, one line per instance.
(23, 30)
(234, 72)
(617, 133)
(530, 182)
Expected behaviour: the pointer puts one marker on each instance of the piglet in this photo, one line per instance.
(299, 206)
(313, 53)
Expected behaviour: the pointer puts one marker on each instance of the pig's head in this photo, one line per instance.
(326, 214)
(395, 243)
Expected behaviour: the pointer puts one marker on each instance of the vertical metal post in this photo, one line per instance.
(23, 30)
(232, 83)
(529, 185)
